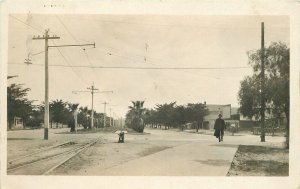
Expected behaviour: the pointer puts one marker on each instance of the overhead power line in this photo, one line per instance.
(75, 39)
(33, 27)
(69, 65)
(41, 31)
(146, 68)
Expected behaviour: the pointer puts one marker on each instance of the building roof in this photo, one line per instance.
(215, 107)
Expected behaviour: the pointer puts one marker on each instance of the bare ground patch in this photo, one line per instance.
(260, 161)
(153, 150)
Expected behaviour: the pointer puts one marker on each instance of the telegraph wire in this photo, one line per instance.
(195, 26)
(69, 65)
(33, 27)
(144, 68)
(37, 29)
(75, 39)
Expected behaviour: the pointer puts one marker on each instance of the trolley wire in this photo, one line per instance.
(145, 68)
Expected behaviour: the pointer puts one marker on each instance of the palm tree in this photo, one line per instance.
(137, 107)
(72, 109)
(83, 116)
(134, 116)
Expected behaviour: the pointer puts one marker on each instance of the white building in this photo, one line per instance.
(213, 113)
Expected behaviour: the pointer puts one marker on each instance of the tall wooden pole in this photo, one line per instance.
(92, 117)
(46, 37)
(104, 115)
(262, 111)
(110, 117)
(46, 116)
(46, 120)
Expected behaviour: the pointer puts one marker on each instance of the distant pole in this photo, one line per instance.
(92, 88)
(92, 119)
(110, 117)
(262, 112)
(113, 120)
(75, 118)
(104, 115)
(121, 124)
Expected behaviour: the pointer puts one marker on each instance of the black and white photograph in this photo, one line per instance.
(148, 95)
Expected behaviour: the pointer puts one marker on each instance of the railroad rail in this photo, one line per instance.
(44, 161)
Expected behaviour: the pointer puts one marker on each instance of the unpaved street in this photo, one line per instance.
(158, 153)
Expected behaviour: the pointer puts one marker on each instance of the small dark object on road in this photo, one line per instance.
(121, 137)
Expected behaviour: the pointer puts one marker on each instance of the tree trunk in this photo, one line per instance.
(10, 125)
(287, 128)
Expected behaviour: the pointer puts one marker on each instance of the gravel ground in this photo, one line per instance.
(260, 161)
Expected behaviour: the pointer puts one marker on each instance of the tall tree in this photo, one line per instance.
(70, 115)
(277, 65)
(58, 111)
(196, 113)
(134, 117)
(167, 114)
(83, 117)
(17, 104)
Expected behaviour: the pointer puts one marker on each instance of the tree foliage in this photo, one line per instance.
(276, 79)
(134, 117)
(277, 66)
(17, 104)
(172, 115)
(58, 111)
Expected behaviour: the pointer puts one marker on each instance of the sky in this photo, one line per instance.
(129, 47)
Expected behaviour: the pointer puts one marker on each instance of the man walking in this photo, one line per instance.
(219, 128)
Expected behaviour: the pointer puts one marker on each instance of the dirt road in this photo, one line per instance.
(159, 153)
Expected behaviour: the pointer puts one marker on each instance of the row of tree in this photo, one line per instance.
(61, 112)
(167, 115)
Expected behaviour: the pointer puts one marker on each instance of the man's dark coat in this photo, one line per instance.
(219, 127)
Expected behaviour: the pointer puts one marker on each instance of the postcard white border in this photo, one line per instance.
(160, 7)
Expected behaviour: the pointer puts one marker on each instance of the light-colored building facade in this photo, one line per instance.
(18, 123)
(213, 112)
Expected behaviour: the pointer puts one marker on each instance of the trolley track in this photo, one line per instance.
(44, 161)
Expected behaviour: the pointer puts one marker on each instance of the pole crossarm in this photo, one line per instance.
(81, 91)
(104, 92)
(80, 45)
(104, 116)
(92, 88)
(43, 37)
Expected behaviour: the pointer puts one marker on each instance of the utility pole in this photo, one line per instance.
(93, 90)
(110, 117)
(262, 111)
(104, 115)
(46, 37)
(114, 119)
(121, 124)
